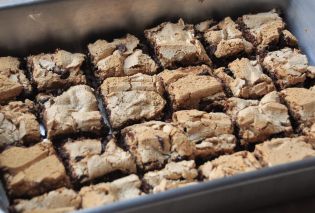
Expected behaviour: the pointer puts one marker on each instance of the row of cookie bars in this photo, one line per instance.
(38, 172)
(257, 55)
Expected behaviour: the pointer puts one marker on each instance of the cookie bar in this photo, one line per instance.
(301, 104)
(175, 45)
(259, 120)
(74, 111)
(229, 165)
(57, 71)
(133, 99)
(265, 29)
(225, 39)
(154, 143)
(212, 133)
(60, 200)
(33, 170)
(174, 175)
(245, 79)
(13, 81)
(88, 161)
(121, 57)
(18, 124)
(106, 193)
(283, 150)
(288, 67)
(188, 88)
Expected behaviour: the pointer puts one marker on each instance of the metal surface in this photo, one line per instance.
(41, 25)
(29, 27)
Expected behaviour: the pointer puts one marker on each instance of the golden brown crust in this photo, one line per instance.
(18, 124)
(283, 150)
(60, 200)
(227, 39)
(265, 27)
(154, 143)
(13, 81)
(288, 66)
(120, 58)
(74, 111)
(175, 174)
(212, 133)
(133, 98)
(175, 43)
(33, 170)
(87, 161)
(247, 79)
(60, 70)
(228, 165)
(188, 88)
(106, 193)
(258, 121)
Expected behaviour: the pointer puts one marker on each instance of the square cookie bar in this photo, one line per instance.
(259, 120)
(301, 104)
(288, 67)
(266, 29)
(245, 79)
(212, 133)
(133, 98)
(87, 160)
(224, 39)
(174, 175)
(121, 57)
(56, 71)
(33, 170)
(189, 88)
(109, 192)
(60, 200)
(228, 165)
(154, 143)
(13, 82)
(175, 45)
(18, 124)
(74, 111)
(283, 150)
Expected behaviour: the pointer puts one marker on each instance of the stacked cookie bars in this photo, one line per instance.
(191, 103)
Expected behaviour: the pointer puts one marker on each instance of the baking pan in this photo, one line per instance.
(34, 26)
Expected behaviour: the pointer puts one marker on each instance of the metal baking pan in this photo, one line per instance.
(34, 26)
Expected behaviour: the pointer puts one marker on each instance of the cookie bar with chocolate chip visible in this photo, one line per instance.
(212, 133)
(57, 71)
(154, 143)
(88, 161)
(121, 57)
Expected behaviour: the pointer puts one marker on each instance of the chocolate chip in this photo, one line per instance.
(122, 48)
(62, 72)
(78, 158)
(161, 141)
(229, 72)
(65, 74)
